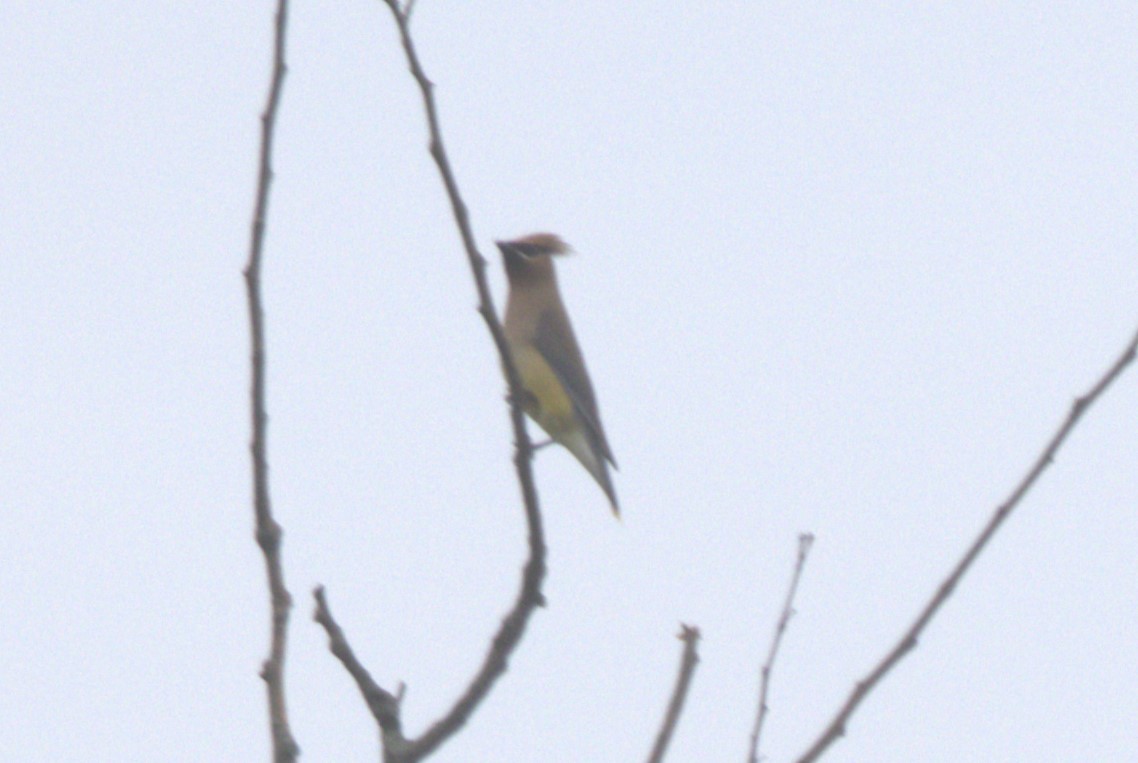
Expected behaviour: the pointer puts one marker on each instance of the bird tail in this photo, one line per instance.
(589, 454)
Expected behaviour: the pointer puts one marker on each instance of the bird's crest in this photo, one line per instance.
(541, 243)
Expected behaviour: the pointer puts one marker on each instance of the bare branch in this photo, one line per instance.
(529, 597)
(383, 705)
(268, 531)
(689, 634)
(837, 727)
(523, 446)
(805, 541)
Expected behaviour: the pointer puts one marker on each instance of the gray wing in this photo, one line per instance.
(555, 341)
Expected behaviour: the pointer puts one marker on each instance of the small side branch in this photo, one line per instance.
(689, 634)
(384, 705)
(908, 641)
(268, 532)
(805, 542)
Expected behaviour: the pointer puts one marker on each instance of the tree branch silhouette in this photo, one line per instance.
(689, 658)
(908, 641)
(397, 749)
(384, 705)
(805, 541)
(268, 532)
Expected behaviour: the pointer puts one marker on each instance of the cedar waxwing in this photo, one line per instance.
(558, 396)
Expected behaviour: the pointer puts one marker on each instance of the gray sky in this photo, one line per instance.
(842, 268)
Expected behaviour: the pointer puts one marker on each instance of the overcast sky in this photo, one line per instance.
(841, 268)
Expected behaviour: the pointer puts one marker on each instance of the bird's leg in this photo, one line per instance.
(529, 402)
(526, 400)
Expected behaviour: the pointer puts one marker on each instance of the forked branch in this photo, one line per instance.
(396, 748)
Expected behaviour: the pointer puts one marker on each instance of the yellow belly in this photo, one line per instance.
(547, 402)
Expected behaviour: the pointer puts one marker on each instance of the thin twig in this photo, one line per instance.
(689, 634)
(529, 595)
(383, 705)
(837, 727)
(805, 541)
(268, 531)
(523, 459)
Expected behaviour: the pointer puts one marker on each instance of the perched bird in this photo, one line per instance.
(558, 395)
